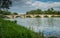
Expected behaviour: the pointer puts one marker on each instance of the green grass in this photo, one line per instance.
(9, 29)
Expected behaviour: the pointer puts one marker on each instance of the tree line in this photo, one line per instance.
(2, 12)
(39, 11)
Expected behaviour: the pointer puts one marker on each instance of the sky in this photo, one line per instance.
(22, 6)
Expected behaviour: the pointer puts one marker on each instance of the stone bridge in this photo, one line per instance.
(31, 15)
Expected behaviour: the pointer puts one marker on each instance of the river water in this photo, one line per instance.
(49, 26)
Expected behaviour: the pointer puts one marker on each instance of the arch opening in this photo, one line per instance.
(37, 16)
(17, 17)
(46, 16)
(28, 16)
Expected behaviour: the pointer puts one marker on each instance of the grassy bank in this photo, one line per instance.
(9, 29)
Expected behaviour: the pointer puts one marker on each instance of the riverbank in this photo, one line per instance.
(9, 29)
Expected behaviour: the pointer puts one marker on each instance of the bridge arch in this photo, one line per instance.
(45, 16)
(6, 17)
(37, 16)
(9, 16)
(30, 16)
(17, 16)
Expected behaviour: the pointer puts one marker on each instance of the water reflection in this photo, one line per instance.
(49, 26)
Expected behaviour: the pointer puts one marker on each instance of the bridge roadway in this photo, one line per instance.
(31, 15)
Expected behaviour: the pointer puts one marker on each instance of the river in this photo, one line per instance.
(49, 26)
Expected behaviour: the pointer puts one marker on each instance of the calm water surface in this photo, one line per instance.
(49, 26)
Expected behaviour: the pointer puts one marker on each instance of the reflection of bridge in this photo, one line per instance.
(30, 15)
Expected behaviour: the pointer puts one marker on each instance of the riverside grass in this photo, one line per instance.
(9, 29)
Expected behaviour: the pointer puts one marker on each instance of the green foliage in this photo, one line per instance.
(1, 16)
(15, 13)
(5, 12)
(9, 29)
(49, 11)
(38, 11)
(5, 4)
(28, 16)
(37, 16)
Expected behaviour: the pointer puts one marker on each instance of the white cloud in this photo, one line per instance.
(44, 5)
(28, 2)
(21, 6)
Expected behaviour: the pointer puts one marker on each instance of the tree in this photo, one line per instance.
(15, 13)
(38, 11)
(5, 12)
(52, 9)
(5, 4)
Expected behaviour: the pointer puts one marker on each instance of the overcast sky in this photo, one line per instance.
(22, 6)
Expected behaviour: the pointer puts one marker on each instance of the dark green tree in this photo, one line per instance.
(5, 4)
(15, 13)
(38, 11)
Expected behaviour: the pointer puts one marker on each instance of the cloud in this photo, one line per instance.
(24, 6)
(44, 5)
(49, 0)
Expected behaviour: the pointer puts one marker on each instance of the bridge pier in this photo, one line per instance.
(42, 16)
(23, 16)
(32, 16)
(49, 16)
